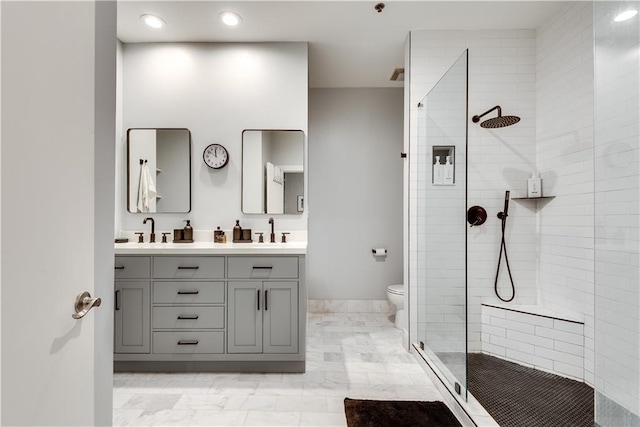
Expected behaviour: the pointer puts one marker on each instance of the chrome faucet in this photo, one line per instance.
(273, 234)
(152, 238)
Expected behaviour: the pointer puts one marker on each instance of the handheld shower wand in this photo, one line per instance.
(503, 247)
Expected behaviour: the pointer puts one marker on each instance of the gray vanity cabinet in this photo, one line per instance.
(263, 317)
(132, 305)
(210, 313)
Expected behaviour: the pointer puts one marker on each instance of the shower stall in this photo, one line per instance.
(575, 258)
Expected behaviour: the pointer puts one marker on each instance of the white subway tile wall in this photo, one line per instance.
(552, 345)
(564, 144)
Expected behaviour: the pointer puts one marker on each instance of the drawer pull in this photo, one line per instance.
(188, 292)
(119, 267)
(188, 268)
(266, 304)
(262, 268)
(188, 342)
(188, 317)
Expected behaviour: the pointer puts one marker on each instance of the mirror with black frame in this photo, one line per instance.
(273, 172)
(159, 170)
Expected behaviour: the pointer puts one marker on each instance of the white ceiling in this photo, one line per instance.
(350, 44)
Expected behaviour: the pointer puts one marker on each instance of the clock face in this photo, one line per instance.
(216, 156)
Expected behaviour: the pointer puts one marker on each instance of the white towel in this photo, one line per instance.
(146, 188)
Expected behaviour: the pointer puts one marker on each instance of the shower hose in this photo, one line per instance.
(503, 248)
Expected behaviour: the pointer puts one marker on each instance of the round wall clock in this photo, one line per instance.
(215, 156)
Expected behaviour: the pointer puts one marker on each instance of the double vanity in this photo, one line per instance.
(210, 307)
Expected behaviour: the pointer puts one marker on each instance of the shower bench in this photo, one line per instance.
(536, 337)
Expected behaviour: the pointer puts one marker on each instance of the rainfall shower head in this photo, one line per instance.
(496, 122)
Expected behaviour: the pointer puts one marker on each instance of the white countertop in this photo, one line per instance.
(209, 248)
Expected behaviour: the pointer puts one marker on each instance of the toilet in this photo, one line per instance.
(395, 294)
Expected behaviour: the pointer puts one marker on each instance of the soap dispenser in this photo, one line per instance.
(217, 235)
(447, 178)
(187, 233)
(237, 231)
(534, 186)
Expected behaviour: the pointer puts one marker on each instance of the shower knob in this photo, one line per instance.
(476, 215)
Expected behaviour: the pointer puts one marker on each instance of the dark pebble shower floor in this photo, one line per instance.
(518, 396)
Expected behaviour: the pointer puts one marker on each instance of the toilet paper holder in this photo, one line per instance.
(379, 252)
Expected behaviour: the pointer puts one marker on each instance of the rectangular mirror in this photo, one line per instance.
(159, 170)
(273, 172)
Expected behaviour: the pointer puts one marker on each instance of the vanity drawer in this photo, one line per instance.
(263, 267)
(188, 292)
(188, 342)
(188, 317)
(132, 267)
(188, 267)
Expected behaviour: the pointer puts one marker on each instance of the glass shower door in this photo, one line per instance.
(441, 225)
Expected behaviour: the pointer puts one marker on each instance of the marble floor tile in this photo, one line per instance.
(270, 418)
(215, 418)
(259, 403)
(126, 417)
(356, 355)
(119, 399)
(165, 417)
(278, 389)
(302, 404)
(209, 402)
(152, 402)
(333, 419)
(240, 388)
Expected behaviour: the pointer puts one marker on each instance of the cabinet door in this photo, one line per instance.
(132, 322)
(245, 317)
(280, 317)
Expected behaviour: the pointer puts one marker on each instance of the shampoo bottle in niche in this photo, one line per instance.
(438, 172)
(448, 172)
(534, 186)
(187, 232)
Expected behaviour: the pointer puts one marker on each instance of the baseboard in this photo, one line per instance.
(207, 366)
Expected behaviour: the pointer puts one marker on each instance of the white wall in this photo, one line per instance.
(253, 175)
(564, 147)
(502, 71)
(216, 91)
(143, 149)
(355, 180)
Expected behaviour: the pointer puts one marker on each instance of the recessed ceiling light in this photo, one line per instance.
(153, 21)
(627, 14)
(230, 18)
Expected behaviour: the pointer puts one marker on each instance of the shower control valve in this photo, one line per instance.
(476, 215)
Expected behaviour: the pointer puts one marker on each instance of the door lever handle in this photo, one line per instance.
(84, 303)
